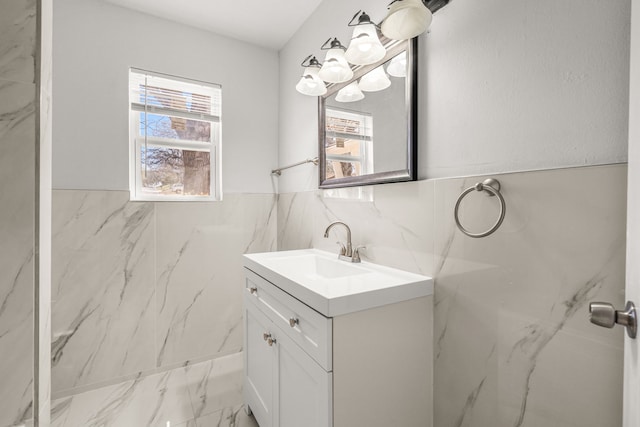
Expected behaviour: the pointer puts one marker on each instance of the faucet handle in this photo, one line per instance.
(343, 249)
(356, 253)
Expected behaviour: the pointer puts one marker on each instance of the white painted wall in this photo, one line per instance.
(505, 85)
(95, 43)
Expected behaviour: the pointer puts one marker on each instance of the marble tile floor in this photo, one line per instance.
(232, 417)
(200, 395)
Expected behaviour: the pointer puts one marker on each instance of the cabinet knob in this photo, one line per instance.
(267, 337)
(293, 322)
(253, 290)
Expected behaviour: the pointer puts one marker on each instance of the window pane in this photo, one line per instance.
(342, 169)
(343, 147)
(160, 126)
(344, 125)
(173, 171)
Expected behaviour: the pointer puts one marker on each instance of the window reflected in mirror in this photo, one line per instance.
(348, 143)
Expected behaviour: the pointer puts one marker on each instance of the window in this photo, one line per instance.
(175, 132)
(348, 145)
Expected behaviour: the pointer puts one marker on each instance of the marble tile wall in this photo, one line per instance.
(17, 208)
(144, 287)
(201, 395)
(513, 343)
(395, 223)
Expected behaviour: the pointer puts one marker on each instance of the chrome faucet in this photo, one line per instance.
(347, 253)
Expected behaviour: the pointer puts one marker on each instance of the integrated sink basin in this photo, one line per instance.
(334, 287)
(315, 266)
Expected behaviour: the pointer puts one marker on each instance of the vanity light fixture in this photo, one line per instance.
(350, 93)
(406, 19)
(335, 68)
(310, 84)
(374, 80)
(365, 47)
(398, 66)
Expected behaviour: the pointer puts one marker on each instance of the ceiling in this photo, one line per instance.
(267, 23)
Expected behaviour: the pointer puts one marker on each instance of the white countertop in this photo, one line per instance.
(334, 287)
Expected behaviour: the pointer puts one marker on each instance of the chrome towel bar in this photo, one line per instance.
(279, 170)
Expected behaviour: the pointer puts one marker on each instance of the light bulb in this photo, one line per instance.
(406, 19)
(398, 65)
(350, 93)
(375, 80)
(335, 68)
(310, 84)
(365, 47)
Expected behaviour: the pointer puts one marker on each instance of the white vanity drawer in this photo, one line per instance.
(305, 326)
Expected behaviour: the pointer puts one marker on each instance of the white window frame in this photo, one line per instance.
(137, 142)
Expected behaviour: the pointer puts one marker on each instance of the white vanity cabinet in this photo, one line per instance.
(339, 365)
(260, 367)
(284, 386)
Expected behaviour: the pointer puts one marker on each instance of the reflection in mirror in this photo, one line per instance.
(348, 147)
(367, 128)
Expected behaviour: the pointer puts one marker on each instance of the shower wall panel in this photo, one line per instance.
(17, 208)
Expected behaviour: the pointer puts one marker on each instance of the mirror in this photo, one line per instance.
(371, 139)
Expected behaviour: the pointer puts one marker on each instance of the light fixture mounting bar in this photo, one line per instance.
(332, 43)
(363, 18)
(310, 61)
(435, 5)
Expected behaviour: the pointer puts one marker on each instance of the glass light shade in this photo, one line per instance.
(375, 80)
(350, 93)
(398, 66)
(365, 47)
(310, 84)
(406, 19)
(335, 68)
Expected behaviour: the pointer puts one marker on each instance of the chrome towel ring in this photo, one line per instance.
(491, 186)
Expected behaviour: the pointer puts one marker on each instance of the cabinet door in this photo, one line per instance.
(304, 394)
(260, 364)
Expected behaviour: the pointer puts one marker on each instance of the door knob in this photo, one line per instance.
(603, 314)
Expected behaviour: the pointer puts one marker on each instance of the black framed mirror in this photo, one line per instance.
(370, 137)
